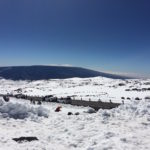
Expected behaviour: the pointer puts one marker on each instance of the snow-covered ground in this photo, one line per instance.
(124, 128)
(88, 88)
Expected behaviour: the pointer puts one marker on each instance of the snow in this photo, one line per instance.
(124, 128)
(96, 88)
(20, 111)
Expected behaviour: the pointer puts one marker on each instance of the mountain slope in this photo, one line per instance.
(50, 72)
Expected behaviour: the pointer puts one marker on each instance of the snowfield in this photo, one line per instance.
(124, 128)
(96, 88)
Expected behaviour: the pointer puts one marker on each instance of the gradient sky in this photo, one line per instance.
(112, 35)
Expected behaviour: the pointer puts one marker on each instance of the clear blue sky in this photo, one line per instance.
(110, 35)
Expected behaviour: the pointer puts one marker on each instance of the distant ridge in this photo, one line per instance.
(51, 72)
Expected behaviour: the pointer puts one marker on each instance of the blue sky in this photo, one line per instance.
(111, 35)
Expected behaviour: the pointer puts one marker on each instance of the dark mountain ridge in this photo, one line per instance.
(51, 72)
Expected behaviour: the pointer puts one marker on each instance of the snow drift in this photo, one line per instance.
(21, 111)
(133, 110)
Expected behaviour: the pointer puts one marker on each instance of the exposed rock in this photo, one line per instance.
(25, 139)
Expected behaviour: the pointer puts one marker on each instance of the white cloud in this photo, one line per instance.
(65, 65)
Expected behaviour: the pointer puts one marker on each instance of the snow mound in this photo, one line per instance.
(135, 109)
(90, 110)
(21, 111)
